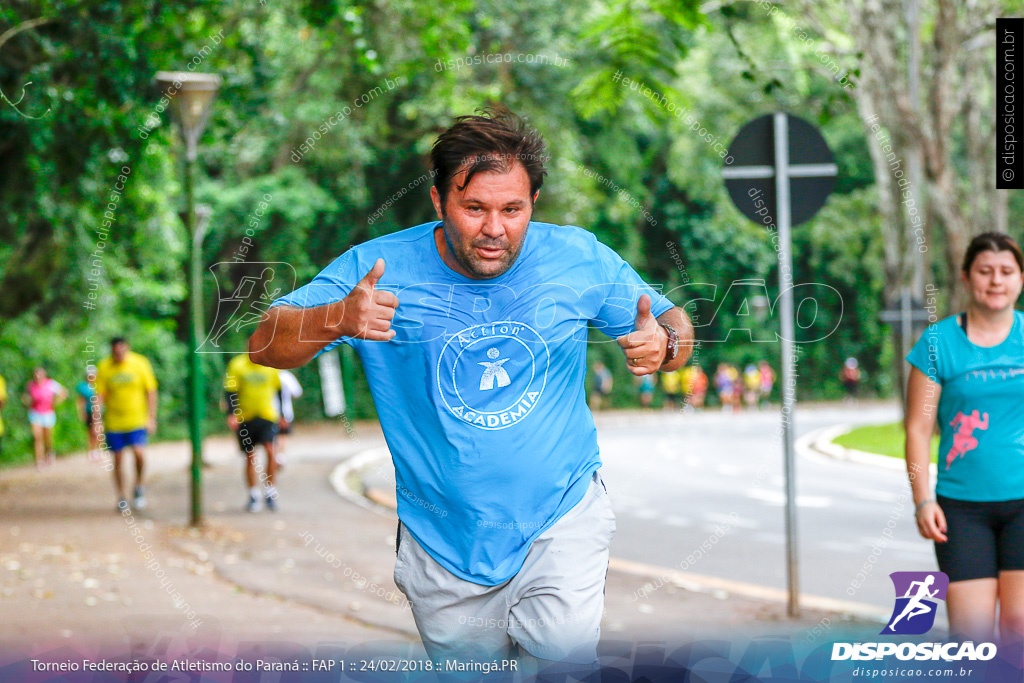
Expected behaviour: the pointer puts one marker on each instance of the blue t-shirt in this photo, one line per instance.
(981, 410)
(481, 392)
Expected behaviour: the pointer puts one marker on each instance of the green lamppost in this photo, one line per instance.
(192, 95)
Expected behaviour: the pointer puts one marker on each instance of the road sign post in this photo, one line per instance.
(786, 160)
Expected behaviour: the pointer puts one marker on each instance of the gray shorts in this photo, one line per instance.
(552, 608)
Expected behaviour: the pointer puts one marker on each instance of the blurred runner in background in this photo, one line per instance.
(850, 375)
(646, 385)
(290, 388)
(672, 386)
(603, 384)
(42, 396)
(250, 391)
(126, 386)
(767, 382)
(751, 385)
(88, 408)
(727, 383)
(696, 386)
(3, 400)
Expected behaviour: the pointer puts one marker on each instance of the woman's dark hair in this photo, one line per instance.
(494, 140)
(992, 241)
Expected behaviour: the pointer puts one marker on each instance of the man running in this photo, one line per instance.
(126, 388)
(915, 606)
(472, 331)
(250, 391)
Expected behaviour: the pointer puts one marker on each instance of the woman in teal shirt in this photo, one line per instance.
(968, 373)
(89, 409)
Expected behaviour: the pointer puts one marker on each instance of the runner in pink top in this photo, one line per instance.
(42, 394)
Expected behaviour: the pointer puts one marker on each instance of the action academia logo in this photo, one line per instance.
(917, 594)
(492, 375)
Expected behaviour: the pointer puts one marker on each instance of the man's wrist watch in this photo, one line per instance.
(673, 343)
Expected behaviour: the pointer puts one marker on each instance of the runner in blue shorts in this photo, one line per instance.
(126, 386)
(472, 330)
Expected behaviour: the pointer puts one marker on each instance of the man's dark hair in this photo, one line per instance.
(992, 241)
(493, 140)
(117, 340)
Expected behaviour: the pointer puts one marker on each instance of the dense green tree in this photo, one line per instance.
(319, 140)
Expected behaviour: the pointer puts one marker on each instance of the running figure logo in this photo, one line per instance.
(493, 371)
(963, 439)
(246, 303)
(916, 602)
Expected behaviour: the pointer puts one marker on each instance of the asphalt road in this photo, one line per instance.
(680, 481)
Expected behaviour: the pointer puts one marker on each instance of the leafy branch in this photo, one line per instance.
(7, 35)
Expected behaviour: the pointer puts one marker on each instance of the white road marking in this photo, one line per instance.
(778, 498)
(719, 518)
(675, 520)
(840, 547)
(769, 537)
(923, 547)
(875, 496)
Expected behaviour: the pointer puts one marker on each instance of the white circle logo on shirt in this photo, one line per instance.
(492, 375)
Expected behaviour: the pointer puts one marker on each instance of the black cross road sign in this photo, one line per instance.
(806, 162)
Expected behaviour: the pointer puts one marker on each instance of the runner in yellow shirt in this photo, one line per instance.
(127, 389)
(3, 400)
(252, 414)
(672, 385)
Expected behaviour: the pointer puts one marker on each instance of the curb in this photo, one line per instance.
(339, 476)
(701, 583)
(383, 503)
(821, 441)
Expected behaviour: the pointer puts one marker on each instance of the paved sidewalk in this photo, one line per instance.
(71, 572)
(318, 570)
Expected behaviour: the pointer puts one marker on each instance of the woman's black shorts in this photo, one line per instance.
(985, 538)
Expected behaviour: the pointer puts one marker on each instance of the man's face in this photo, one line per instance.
(485, 223)
(119, 351)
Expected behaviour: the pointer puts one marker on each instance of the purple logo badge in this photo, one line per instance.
(917, 596)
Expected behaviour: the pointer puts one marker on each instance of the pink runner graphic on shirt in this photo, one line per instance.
(963, 440)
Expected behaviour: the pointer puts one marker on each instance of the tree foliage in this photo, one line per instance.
(366, 86)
